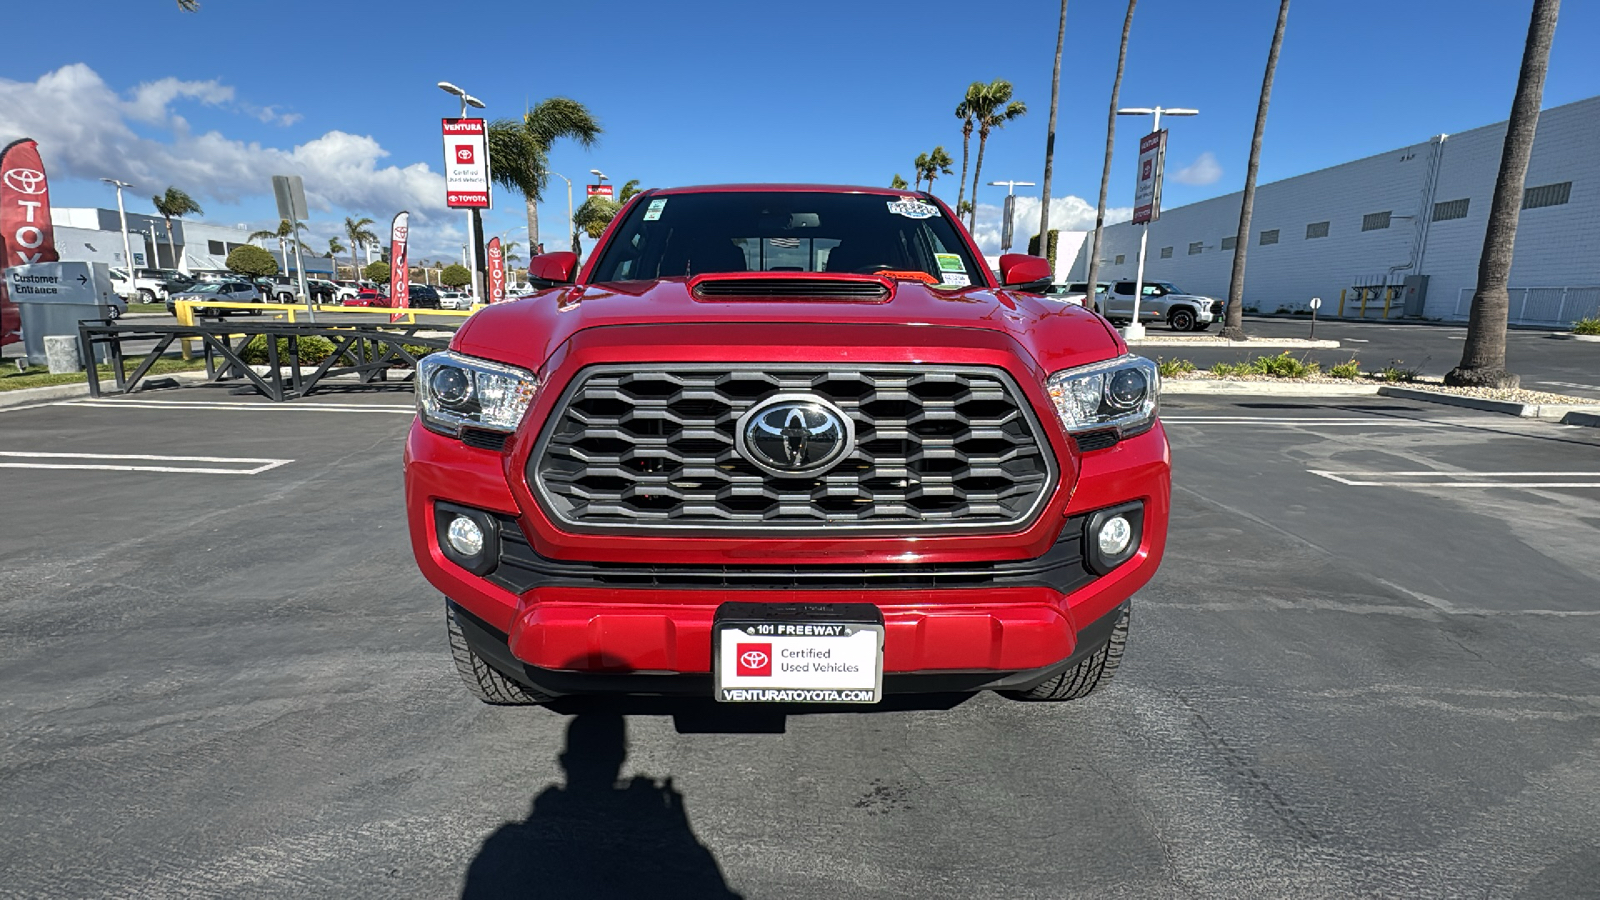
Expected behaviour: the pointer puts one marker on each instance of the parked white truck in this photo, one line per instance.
(1162, 302)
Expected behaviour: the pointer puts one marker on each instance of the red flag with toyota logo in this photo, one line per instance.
(26, 235)
(497, 272)
(399, 270)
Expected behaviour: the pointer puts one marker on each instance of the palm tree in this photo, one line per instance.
(334, 249)
(898, 183)
(597, 212)
(175, 203)
(920, 164)
(1111, 137)
(360, 236)
(189, 5)
(964, 113)
(521, 149)
(938, 163)
(1233, 325)
(1483, 359)
(994, 109)
(1050, 135)
(285, 235)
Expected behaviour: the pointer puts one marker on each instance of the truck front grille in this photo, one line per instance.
(650, 448)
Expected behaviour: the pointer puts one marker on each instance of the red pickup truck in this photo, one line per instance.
(786, 444)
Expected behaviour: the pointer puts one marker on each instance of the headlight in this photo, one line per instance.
(1122, 393)
(456, 391)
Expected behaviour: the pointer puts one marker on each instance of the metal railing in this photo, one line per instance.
(278, 368)
(1560, 306)
(291, 312)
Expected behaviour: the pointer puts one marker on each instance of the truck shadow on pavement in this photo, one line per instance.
(596, 837)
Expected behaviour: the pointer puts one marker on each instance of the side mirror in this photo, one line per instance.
(551, 269)
(1018, 270)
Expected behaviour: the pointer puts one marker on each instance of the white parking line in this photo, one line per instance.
(1569, 384)
(1436, 479)
(389, 409)
(117, 462)
(1301, 421)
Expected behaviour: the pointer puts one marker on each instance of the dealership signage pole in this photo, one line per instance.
(290, 192)
(466, 171)
(26, 234)
(1147, 197)
(1009, 214)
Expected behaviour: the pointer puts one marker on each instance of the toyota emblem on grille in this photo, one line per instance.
(795, 435)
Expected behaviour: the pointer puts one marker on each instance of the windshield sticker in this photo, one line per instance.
(913, 209)
(950, 262)
(955, 279)
(653, 211)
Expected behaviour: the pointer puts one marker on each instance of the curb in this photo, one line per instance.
(1194, 386)
(1224, 344)
(1569, 336)
(24, 396)
(1588, 419)
(1547, 411)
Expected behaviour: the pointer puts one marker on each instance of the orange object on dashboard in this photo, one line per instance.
(898, 275)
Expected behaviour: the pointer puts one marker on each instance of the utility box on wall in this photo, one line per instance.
(1415, 295)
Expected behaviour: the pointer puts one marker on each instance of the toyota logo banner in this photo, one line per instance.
(399, 270)
(26, 235)
(497, 272)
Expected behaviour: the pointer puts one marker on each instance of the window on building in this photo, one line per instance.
(1316, 230)
(1166, 252)
(215, 248)
(1375, 221)
(1450, 209)
(233, 247)
(1120, 258)
(1269, 237)
(1546, 195)
(1195, 248)
(1228, 243)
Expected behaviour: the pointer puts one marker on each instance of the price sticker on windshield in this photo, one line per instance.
(653, 211)
(913, 209)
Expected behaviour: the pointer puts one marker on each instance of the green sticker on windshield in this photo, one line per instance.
(950, 262)
(653, 211)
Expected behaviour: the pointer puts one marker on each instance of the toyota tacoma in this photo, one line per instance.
(792, 444)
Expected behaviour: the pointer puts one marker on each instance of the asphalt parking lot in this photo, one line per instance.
(1368, 667)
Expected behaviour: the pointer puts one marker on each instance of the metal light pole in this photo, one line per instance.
(1135, 329)
(572, 228)
(122, 216)
(1006, 228)
(472, 238)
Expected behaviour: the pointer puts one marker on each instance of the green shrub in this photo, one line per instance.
(1350, 369)
(1586, 326)
(313, 349)
(248, 259)
(377, 272)
(1282, 366)
(1171, 368)
(1223, 370)
(455, 275)
(1397, 372)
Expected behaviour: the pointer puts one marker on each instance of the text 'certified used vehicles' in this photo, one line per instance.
(786, 443)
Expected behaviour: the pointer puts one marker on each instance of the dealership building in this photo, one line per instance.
(88, 234)
(1394, 235)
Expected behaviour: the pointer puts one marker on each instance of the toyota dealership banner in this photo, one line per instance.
(399, 270)
(466, 164)
(26, 235)
(1147, 194)
(497, 272)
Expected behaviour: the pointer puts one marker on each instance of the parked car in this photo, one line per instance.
(237, 291)
(723, 460)
(1162, 301)
(1077, 292)
(423, 296)
(366, 298)
(145, 287)
(325, 291)
(455, 300)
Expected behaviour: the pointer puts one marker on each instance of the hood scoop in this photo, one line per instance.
(864, 288)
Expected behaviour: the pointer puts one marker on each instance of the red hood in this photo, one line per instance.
(526, 332)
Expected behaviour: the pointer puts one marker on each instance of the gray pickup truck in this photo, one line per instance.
(1162, 302)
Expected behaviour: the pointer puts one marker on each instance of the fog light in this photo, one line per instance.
(1115, 533)
(466, 538)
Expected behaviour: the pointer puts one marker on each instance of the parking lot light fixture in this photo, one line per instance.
(122, 216)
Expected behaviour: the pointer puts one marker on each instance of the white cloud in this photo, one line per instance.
(1204, 170)
(1069, 213)
(83, 131)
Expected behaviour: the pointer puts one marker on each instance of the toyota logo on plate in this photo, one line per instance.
(794, 435)
(27, 181)
(753, 659)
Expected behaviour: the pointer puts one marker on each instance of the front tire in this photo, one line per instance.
(1084, 678)
(146, 295)
(483, 681)
(1181, 320)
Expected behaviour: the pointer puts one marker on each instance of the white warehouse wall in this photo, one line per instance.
(1557, 246)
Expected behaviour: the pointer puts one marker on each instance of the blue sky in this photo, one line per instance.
(702, 92)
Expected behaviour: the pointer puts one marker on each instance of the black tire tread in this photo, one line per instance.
(482, 680)
(1084, 678)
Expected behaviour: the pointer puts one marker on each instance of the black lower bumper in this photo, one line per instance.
(492, 646)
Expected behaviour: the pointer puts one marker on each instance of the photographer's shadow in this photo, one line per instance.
(597, 837)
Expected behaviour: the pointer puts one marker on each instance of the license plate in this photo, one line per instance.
(798, 653)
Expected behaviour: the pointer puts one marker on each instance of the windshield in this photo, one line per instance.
(680, 235)
(1165, 286)
(211, 288)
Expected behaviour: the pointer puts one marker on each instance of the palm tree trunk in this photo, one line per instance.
(1050, 140)
(977, 173)
(1233, 328)
(1111, 139)
(1483, 359)
(172, 249)
(966, 148)
(533, 222)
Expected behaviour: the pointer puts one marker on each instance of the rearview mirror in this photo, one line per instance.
(551, 269)
(1018, 270)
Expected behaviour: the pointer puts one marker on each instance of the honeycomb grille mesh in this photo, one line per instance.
(643, 448)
